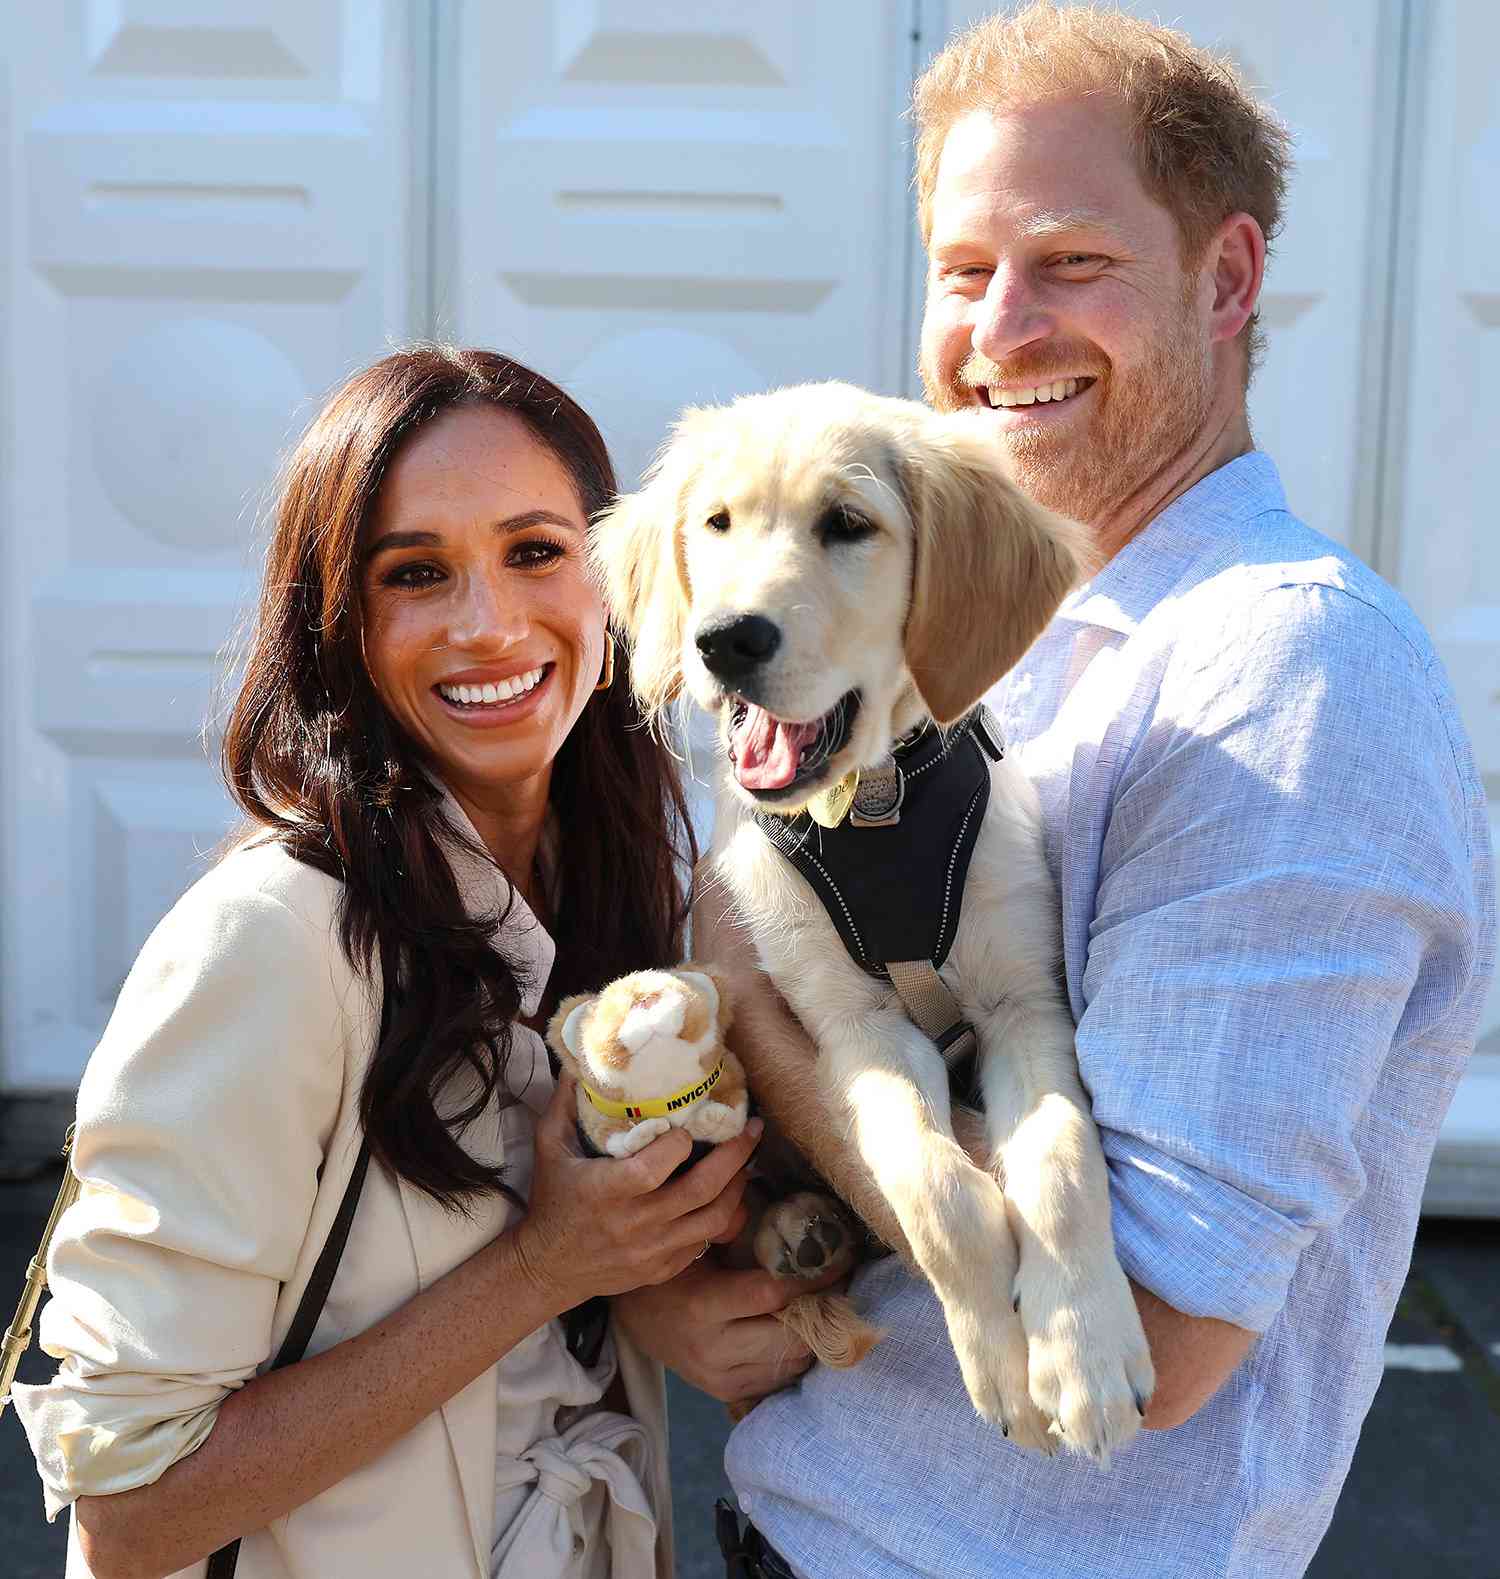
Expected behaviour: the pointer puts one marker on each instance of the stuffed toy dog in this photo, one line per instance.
(648, 1053)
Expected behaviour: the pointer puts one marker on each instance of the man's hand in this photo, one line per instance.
(717, 1330)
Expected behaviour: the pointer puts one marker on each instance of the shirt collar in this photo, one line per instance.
(1151, 564)
(487, 891)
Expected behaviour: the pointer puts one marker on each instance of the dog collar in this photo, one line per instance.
(655, 1107)
(873, 797)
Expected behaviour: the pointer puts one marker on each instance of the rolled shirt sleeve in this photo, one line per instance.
(202, 1122)
(1287, 854)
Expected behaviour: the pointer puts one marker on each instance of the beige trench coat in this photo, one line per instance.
(217, 1130)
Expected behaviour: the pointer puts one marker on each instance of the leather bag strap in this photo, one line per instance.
(223, 1562)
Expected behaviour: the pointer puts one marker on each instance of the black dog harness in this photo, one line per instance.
(891, 874)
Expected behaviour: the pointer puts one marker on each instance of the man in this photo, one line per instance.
(1269, 838)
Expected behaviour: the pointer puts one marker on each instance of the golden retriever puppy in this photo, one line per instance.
(834, 575)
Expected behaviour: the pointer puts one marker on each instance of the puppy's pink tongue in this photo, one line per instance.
(768, 749)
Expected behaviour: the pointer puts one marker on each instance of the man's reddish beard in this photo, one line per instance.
(1144, 416)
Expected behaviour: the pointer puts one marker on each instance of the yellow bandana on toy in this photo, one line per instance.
(829, 807)
(655, 1107)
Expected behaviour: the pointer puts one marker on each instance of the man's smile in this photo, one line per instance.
(1026, 405)
(1055, 391)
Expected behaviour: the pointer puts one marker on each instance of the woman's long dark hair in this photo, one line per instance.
(311, 754)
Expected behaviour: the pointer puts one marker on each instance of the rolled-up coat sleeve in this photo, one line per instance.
(202, 1122)
(1287, 853)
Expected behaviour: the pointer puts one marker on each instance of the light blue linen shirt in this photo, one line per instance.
(1278, 924)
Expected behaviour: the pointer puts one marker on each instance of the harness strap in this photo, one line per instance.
(933, 1009)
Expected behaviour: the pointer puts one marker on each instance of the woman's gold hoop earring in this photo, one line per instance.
(607, 676)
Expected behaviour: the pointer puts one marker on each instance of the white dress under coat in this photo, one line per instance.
(217, 1130)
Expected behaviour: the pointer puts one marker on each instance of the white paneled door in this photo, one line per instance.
(206, 226)
(213, 212)
(1447, 437)
(659, 204)
(662, 205)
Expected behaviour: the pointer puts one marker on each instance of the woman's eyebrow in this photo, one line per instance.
(529, 518)
(512, 523)
(388, 540)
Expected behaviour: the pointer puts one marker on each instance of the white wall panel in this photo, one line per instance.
(1446, 438)
(207, 225)
(659, 204)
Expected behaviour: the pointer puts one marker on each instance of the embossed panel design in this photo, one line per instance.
(153, 829)
(210, 225)
(660, 204)
(235, 47)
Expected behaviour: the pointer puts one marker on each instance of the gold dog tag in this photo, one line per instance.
(829, 807)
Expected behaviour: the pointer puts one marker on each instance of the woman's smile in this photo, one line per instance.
(484, 698)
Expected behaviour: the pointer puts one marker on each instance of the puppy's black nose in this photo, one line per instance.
(734, 644)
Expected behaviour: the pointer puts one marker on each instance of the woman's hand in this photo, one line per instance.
(717, 1328)
(604, 1225)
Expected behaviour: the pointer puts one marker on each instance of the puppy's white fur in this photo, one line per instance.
(896, 559)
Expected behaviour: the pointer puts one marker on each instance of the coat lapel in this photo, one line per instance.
(440, 1239)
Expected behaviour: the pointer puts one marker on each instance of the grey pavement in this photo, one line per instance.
(1422, 1501)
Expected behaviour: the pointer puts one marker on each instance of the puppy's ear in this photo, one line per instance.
(990, 566)
(566, 1027)
(635, 547)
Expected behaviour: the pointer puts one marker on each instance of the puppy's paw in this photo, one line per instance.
(630, 1141)
(804, 1236)
(1090, 1368)
(714, 1121)
(991, 1352)
(972, 1271)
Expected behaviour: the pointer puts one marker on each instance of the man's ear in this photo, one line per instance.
(636, 550)
(1237, 253)
(565, 1028)
(990, 566)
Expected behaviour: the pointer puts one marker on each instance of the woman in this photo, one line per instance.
(446, 782)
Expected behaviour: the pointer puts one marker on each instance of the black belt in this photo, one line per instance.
(747, 1554)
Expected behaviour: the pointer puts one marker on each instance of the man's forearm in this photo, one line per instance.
(1193, 1357)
